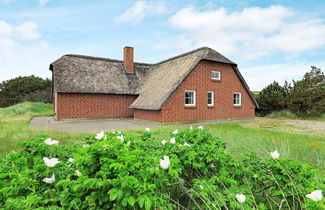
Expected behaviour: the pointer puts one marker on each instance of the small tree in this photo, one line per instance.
(272, 98)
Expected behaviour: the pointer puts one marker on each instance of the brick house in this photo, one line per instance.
(198, 85)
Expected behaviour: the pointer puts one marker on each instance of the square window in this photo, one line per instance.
(216, 75)
(237, 99)
(189, 97)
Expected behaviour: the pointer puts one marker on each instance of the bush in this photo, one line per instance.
(125, 173)
(283, 113)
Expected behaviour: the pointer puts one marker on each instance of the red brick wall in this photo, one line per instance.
(77, 105)
(150, 115)
(200, 81)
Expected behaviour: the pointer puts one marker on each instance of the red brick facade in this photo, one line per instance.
(75, 105)
(110, 106)
(200, 80)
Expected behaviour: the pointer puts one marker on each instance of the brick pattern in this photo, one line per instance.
(200, 81)
(128, 59)
(77, 105)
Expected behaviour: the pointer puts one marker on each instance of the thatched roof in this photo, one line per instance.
(154, 83)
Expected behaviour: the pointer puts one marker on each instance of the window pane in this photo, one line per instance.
(189, 98)
(215, 75)
(209, 97)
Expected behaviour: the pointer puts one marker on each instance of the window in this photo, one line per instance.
(189, 98)
(237, 99)
(216, 75)
(210, 98)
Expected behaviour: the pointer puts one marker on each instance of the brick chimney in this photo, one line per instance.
(128, 59)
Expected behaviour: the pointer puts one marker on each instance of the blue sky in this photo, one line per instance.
(269, 40)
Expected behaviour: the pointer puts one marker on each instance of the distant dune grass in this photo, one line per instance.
(14, 127)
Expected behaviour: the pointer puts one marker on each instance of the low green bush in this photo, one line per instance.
(283, 113)
(192, 170)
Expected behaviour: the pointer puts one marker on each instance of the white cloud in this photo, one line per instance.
(259, 77)
(140, 10)
(42, 3)
(28, 30)
(255, 31)
(21, 57)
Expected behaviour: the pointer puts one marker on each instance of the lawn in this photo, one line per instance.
(14, 126)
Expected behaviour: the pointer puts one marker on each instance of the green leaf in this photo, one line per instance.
(131, 200)
(148, 204)
(141, 200)
(113, 194)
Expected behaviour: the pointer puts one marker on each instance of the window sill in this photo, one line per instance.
(216, 80)
(237, 106)
(190, 107)
(210, 107)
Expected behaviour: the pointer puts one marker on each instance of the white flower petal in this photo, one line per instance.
(200, 127)
(148, 129)
(186, 144)
(49, 180)
(240, 198)
(164, 163)
(316, 195)
(70, 160)
(100, 135)
(275, 154)
(49, 141)
(78, 173)
(163, 142)
(175, 132)
(172, 140)
(50, 162)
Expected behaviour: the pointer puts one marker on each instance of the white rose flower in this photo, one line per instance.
(70, 160)
(120, 138)
(186, 144)
(148, 129)
(50, 162)
(164, 163)
(49, 180)
(275, 154)
(163, 142)
(316, 195)
(100, 135)
(241, 198)
(175, 132)
(49, 141)
(172, 140)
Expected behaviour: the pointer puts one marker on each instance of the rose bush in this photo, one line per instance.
(115, 170)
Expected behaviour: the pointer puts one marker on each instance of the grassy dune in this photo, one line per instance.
(14, 127)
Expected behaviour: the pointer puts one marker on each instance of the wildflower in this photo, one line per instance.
(50, 162)
(241, 198)
(172, 140)
(100, 135)
(119, 132)
(113, 132)
(191, 127)
(163, 142)
(164, 163)
(49, 141)
(186, 144)
(175, 132)
(120, 138)
(316, 195)
(85, 145)
(49, 180)
(78, 173)
(129, 143)
(148, 129)
(275, 154)
(200, 127)
(70, 160)
(201, 187)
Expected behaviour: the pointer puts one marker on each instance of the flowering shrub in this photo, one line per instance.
(191, 170)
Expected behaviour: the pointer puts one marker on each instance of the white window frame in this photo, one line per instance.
(216, 78)
(212, 98)
(239, 100)
(194, 97)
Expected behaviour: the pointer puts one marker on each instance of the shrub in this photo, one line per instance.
(122, 171)
(283, 113)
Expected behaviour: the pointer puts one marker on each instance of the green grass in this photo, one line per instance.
(14, 127)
